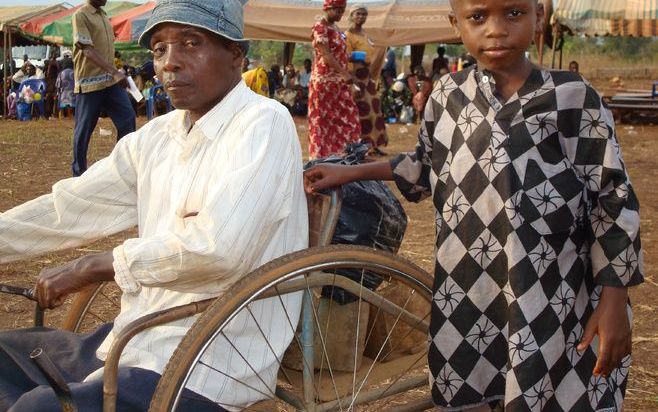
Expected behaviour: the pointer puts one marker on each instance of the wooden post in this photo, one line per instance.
(4, 71)
(288, 53)
(556, 34)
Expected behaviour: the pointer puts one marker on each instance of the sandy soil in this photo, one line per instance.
(34, 155)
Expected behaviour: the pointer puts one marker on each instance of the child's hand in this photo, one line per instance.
(326, 175)
(610, 321)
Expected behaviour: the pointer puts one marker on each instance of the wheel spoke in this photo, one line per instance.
(377, 357)
(310, 272)
(244, 359)
(111, 299)
(324, 350)
(268, 396)
(356, 339)
(422, 356)
(325, 330)
(296, 338)
(267, 341)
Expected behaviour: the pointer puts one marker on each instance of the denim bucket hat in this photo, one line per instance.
(223, 17)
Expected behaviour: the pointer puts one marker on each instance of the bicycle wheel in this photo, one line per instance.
(92, 307)
(378, 364)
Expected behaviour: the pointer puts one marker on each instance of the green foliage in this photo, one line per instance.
(266, 51)
(302, 51)
(620, 48)
(136, 57)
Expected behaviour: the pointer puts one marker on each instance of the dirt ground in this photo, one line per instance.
(36, 154)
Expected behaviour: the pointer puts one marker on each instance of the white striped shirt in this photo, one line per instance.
(239, 167)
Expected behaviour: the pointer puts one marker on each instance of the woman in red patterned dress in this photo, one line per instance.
(332, 114)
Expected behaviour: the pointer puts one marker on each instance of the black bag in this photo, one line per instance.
(370, 216)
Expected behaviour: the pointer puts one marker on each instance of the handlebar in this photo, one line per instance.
(27, 293)
(15, 290)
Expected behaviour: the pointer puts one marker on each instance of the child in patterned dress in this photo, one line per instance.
(537, 226)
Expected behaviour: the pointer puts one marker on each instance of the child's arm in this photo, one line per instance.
(614, 232)
(323, 176)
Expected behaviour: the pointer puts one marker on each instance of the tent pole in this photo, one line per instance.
(417, 51)
(555, 35)
(11, 56)
(288, 53)
(540, 49)
(4, 72)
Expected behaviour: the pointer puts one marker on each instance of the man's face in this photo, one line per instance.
(97, 3)
(497, 32)
(196, 67)
(31, 70)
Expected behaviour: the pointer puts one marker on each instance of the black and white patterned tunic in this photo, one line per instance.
(534, 214)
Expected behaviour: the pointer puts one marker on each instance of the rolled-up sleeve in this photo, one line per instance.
(242, 211)
(613, 210)
(411, 171)
(81, 32)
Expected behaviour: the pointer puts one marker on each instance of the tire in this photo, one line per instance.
(91, 307)
(405, 285)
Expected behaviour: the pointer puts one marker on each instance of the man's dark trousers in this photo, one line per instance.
(88, 106)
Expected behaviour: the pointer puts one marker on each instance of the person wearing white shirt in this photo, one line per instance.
(28, 71)
(305, 75)
(216, 191)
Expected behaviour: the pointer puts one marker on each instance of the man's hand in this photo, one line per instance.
(610, 321)
(54, 284)
(121, 78)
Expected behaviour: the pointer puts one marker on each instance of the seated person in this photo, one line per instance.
(305, 75)
(256, 80)
(216, 190)
(290, 77)
(292, 94)
(397, 98)
(28, 71)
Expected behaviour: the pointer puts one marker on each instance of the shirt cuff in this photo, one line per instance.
(122, 275)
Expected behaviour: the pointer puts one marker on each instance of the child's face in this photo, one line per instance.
(497, 32)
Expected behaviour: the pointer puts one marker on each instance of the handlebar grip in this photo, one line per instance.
(14, 290)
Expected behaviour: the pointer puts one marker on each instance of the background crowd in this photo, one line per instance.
(349, 90)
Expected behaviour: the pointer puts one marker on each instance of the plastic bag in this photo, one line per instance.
(27, 94)
(370, 216)
(407, 115)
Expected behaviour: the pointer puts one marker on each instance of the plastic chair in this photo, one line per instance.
(38, 86)
(156, 94)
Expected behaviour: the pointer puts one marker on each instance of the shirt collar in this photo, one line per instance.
(88, 8)
(487, 84)
(211, 123)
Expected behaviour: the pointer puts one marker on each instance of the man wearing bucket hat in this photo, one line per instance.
(215, 188)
